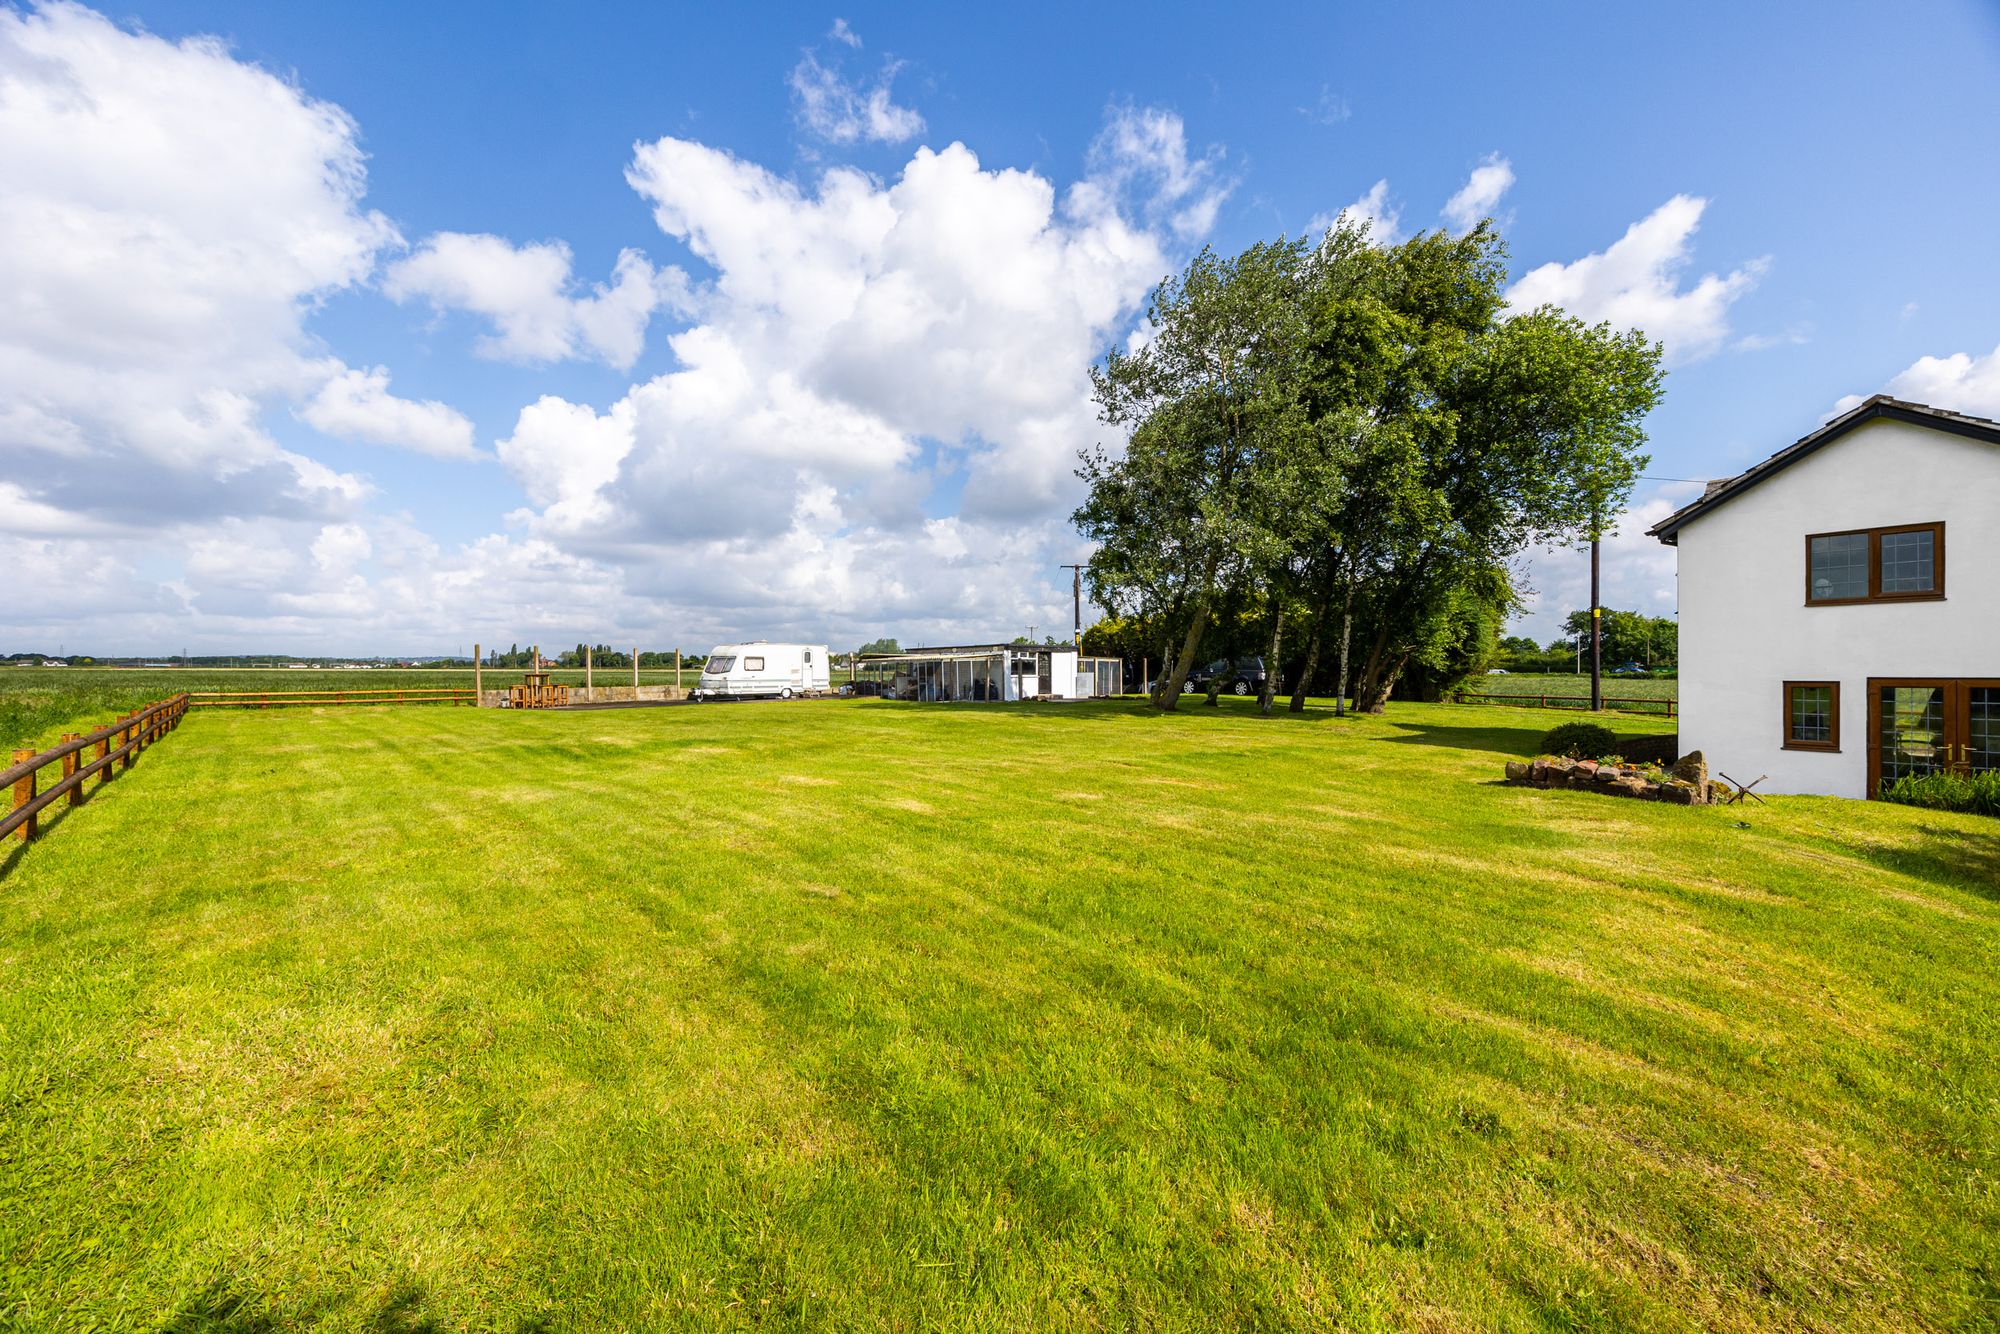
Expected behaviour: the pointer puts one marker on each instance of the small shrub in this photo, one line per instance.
(1579, 741)
(1977, 795)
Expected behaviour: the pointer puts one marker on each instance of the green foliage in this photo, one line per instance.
(880, 646)
(1352, 424)
(435, 1019)
(1583, 741)
(1975, 794)
(1628, 636)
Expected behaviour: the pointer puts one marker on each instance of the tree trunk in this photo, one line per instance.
(1346, 636)
(1298, 704)
(1229, 610)
(1170, 689)
(1374, 696)
(1272, 659)
(1372, 666)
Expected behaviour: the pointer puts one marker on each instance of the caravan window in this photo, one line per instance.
(720, 665)
(753, 664)
(809, 656)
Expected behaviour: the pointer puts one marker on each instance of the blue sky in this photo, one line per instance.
(304, 352)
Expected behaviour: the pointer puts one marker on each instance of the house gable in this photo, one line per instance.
(1879, 408)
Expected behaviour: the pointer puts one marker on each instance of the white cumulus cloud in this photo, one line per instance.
(1383, 219)
(842, 111)
(862, 343)
(1635, 283)
(168, 218)
(357, 405)
(1480, 194)
(1960, 382)
(525, 291)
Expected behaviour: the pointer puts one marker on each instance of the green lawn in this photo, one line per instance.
(878, 1016)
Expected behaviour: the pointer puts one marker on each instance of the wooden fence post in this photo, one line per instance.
(635, 667)
(587, 653)
(125, 739)
(677, 668)
(70, 767)
(24, 792)
(476, 691)
(103, 750)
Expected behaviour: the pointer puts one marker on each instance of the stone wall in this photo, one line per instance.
(1685, 784)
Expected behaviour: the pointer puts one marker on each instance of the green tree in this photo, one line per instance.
(1358, 429)
(1211, 401)
(1630, 636)
(880, 646)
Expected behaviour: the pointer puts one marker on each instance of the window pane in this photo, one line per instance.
(1840, 566)
(1982, 706)
(1909, 562)
(1912, 731)
(1812, 713)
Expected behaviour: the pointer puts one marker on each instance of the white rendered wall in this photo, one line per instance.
(1745, 629)
(1062, 675)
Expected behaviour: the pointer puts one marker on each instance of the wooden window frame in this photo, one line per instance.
(1875, 536)
(1832, 744)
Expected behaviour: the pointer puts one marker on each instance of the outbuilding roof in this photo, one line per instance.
(964, 650)
(1880, 406)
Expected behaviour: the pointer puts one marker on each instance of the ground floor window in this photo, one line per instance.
(1812, 715)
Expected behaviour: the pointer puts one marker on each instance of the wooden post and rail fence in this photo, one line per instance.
(115, 745)
(112, 749)
(1581, 703)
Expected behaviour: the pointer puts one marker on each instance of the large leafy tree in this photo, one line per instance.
(1185, 513)
(1355, 435)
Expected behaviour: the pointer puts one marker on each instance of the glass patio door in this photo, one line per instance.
(1919, 727)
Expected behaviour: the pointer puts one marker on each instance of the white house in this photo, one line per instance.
(1840, 605)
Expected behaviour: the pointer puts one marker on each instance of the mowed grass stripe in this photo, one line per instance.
(859, 1014)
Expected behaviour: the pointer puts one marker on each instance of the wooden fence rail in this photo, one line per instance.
(117, 745)
(1624, 704)
(272, 699)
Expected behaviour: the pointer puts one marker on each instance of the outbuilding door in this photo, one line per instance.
(1923, 726)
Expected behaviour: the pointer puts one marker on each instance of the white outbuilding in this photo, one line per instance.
(1822, 645)
(988, 673)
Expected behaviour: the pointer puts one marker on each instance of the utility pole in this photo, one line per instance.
(1076, 594)
(1596, 635)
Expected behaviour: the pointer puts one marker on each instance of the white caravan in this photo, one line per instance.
(763, 671)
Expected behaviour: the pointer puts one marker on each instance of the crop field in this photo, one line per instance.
(864, 1015)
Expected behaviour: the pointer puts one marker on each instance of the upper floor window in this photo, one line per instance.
(1875, 564)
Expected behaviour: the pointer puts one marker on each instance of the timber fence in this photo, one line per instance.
(112, 749)
(1616, 704)
(117, 746)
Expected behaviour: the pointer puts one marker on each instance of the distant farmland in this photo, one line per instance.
(39, 704)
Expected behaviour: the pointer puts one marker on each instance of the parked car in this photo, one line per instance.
(1496, 671)
(1630, 669)
(1244, 676)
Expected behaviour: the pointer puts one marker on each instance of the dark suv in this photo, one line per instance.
(1245, 676)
